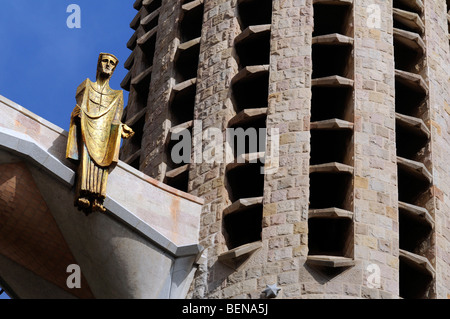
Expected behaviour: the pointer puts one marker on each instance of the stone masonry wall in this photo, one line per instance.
(438, 69)
(286, 191)
(376, 209)
(157, 125)
(213, 110)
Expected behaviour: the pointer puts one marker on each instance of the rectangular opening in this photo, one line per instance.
(414, 234)
(254, 50)
(138, 129)
(186, 64)
(243, 227)
(135, 163)
(182, 106)
(191, 24)
(153, 5)
(414, 283)
(332, 60)
(151, 24)
(410, 188)
(331, 146)
(141, 100)
(148, 50)
(410, 145)
(254, 12)
(329, 18)
(248, 137)
(331, 190)
(252, 92)
(409, 101)
(245, 181)
(330, 236)
(331, 102)
(407, 59)
(407, 5)
(179, 182)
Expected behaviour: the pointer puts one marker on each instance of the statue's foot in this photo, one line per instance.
(97, 206)
(83, 202)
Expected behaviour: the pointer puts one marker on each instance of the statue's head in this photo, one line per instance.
(106, 64)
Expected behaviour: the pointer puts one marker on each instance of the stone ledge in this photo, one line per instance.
(332, 124)
(415, 168)
(237, 257)
(414, 124)
(410, 19)
(249, 72)
(142, 76)
(246, 159)
(332, 81)
(144, 39)
(332, 212)
(410, 39)
(330, 261)
(412, 80)
(242, 204)
(184, 85)
(134, 24)
(126, 82)
(333, 167)
(333, 2)
(416, 5)
(419, 262)
(137, 4)
(177, 171)
(136, 117)
(417, 212)
(191, 5)
(145, 21)
(25, 147)
(247, 115)
(132, 157)
(332, 39)
(251, 32)
(181, 127)
(129, 62)
(131, 44)
(188, 44)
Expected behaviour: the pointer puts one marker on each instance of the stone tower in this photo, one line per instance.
(358, 94)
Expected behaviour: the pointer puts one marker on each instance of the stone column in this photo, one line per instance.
(286, 191)
(375, 184)
(438, 61)
(157, 124)
(217, 66)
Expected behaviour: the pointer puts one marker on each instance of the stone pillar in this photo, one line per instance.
(438, 59)
(157, 125)
(217, 66)
(376, 222)
(286, 191)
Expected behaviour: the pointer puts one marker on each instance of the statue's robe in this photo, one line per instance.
(94, 137)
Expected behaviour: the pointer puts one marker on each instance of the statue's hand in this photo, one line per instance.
(127, 132)
(76, 111)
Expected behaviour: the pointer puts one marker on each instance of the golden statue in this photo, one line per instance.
(95, 134)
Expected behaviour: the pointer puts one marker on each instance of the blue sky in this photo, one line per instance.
(42, 60)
